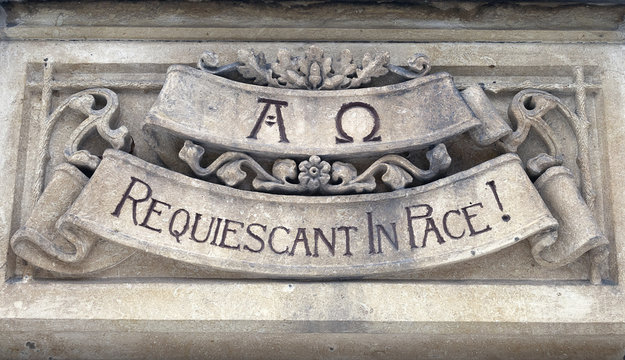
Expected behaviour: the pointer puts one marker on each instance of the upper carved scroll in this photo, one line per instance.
(314, 70)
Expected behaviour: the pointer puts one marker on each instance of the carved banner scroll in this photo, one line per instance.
(463, 216)
(228, 115)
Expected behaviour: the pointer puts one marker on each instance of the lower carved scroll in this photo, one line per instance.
(450, 220)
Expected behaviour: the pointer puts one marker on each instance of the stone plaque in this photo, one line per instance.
(328, 192)
(312, 201)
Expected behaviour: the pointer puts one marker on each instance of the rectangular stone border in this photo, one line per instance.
(569, 79)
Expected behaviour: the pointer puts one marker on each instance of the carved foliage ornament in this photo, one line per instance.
(373, 210)
(314, 70)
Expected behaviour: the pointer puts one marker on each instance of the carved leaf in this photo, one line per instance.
(284, 169)
(231, 173)
(295, 80)
(371, 67)
(254, 66)
(333, 82)
(326, 67)
(303, 65)
(439, 159)
(191, 153)
(284, 64)
(314, 54)
(345, 172)
(396, 177)
(345, 65)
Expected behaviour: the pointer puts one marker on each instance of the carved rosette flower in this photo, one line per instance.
(314, 173)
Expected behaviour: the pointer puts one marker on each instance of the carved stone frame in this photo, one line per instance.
(414, 312)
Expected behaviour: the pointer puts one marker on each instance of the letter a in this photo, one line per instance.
(279, 119)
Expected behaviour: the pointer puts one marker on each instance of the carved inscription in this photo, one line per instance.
(424, 226)
(421, 223)
(342, 136)
(279, 123)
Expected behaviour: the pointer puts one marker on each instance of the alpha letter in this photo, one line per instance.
(279, 119)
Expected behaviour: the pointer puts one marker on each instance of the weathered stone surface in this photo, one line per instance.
(564, 67)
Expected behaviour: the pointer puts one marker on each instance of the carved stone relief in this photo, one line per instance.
(313, 165)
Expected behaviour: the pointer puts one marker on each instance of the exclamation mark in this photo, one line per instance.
(493, 187)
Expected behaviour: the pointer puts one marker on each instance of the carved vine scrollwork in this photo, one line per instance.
(40, 241)
(526, 111)
(98, 121)
(315, 176)
(418, 65)
(314, 70)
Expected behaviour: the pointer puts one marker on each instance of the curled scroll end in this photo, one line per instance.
(419, 64)
(38, 240)
(543, 241)
(50, 240)
(578, 231)
(209, 62)
(493, 126)
(51, 252)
